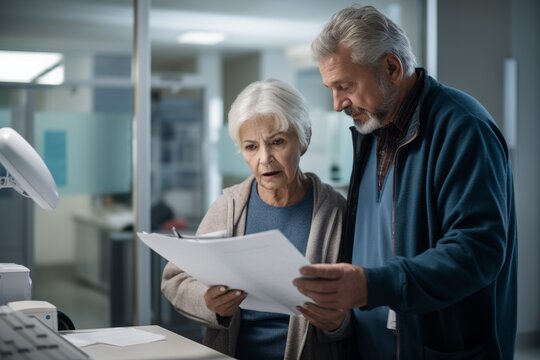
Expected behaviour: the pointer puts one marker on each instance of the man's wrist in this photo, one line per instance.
(363, 293)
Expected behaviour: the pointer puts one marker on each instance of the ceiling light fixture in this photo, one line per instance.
(53, 77)
(27, 67)
(201, 38)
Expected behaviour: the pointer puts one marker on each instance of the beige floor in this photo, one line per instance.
(85, 306)
(528, 354)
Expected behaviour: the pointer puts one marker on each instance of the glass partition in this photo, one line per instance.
(87, 153)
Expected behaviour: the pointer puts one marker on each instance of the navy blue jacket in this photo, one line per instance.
(452, 280)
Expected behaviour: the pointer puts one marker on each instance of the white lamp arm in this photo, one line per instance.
(9, 181)
(26, 172)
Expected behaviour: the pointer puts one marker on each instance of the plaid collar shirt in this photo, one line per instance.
(390, 136)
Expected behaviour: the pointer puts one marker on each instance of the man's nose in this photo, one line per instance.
(340, 102)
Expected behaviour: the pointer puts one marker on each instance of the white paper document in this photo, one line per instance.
(114, 336)
(263, 265)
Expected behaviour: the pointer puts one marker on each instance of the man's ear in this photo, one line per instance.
(393, 68)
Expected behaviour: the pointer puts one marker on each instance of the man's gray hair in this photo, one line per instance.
(368, 33)
(271, 98)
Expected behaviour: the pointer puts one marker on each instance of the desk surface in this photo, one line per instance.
(175, 347)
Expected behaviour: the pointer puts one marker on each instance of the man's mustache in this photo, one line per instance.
(354, 112)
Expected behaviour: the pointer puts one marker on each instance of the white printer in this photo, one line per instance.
(43, 310)
(15, 283)
(16, 292)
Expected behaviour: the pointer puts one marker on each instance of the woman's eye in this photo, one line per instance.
(278, 141)
(249, 147)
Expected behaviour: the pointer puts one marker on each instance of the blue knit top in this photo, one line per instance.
(264, 335)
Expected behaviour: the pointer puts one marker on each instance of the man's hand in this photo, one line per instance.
(323, 318)
(223, 301)
(334, 286)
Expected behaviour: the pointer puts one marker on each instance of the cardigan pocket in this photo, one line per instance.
(476, 353)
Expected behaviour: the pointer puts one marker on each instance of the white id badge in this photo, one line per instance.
(391, 322)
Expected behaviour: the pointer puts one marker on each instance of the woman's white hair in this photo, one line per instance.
(273, 99)
(368, 33)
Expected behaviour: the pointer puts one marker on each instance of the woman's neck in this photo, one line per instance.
(291, 194)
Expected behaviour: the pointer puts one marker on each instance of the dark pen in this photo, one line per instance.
(176, 233)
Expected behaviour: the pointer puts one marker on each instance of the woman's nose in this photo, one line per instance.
(266, 155)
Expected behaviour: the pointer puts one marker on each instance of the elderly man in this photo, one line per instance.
(430, 231)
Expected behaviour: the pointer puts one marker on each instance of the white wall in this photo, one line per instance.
(473, 41)
(274, 64)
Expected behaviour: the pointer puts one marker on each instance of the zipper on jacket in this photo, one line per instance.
(398, 338)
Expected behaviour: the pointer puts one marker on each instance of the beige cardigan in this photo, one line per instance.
(229, 212)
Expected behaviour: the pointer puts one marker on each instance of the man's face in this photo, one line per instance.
(363, 93)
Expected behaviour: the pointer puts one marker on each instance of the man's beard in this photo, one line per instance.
(375, 119)
(373, 122)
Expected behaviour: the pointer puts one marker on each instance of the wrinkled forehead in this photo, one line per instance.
(339, 68)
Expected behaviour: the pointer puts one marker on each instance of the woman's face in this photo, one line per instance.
(272, 155)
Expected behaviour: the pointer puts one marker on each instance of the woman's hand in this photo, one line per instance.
(222, 300)
(323, 318)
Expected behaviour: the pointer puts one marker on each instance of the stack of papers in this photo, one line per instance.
(113, 336)
(263, 265)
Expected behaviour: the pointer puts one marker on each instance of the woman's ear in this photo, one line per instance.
(308, 138)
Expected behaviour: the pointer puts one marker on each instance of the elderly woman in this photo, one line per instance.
(269, 123)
